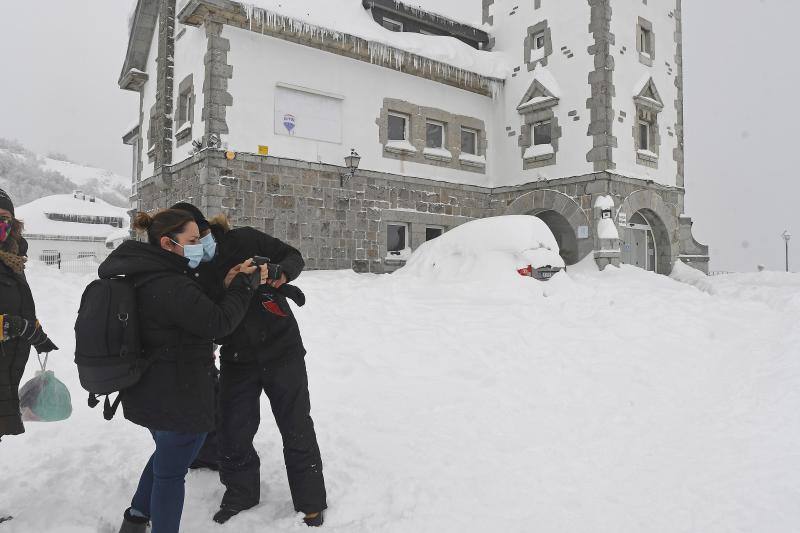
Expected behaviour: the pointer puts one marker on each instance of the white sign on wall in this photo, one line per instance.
(306, 113)
(583, 232)
(623, 218)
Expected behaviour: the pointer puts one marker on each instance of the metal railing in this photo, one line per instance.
(74, 263)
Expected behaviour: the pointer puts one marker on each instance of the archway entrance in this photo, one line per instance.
(564, 233)
(645, 242)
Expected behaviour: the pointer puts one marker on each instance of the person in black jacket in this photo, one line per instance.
(174, 398)
(19, 329)
(265, 353)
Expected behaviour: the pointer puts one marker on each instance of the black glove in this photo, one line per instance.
(45, 346)
(13, 326)
(250, 280)
(274, 271)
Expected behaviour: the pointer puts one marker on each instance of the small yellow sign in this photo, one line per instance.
(263, 150)
(230, 155)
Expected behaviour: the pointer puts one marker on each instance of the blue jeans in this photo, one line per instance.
(161, 489)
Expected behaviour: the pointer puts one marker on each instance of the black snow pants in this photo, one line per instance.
(285, 383)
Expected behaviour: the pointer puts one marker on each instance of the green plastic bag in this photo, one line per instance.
(44, 398)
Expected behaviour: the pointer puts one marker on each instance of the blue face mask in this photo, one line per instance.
(192, 252)
(209, 247)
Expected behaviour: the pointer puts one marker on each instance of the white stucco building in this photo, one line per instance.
(458, 110)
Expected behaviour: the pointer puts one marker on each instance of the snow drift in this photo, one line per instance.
(495, 246)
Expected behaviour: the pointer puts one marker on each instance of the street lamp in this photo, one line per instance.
(351, 162)
(787, 237)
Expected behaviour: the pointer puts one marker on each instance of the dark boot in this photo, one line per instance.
(133, 524)
(314, 521)
(224, 514)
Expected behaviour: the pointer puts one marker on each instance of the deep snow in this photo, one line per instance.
(615, 402)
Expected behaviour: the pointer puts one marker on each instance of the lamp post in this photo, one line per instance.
(351, 162)
(787, 237)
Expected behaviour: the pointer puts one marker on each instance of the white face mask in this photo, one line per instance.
(209, 247)
(192, 252)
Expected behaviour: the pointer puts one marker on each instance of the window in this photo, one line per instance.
(396, 238)
(538, 41)
(152, 128)
(185, 107)
(392, 25)
(645, 42)
(434, 135)
(469, 141)
(644, 135)
(431, 232)
(542, 133)
(398, 127)
(135, 162)
(645, 38)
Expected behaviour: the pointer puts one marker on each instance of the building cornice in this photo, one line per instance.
(143, 26)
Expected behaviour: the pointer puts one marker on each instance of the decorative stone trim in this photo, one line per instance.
(570, 214)
(538, 105)
(665, 225)
(678, 151)
(164, 85)
(539, 28)
(646, 57)
(648, 105)
(601, 80)
(183, 125)
(216, 98)
(487, 18)
(414, 148)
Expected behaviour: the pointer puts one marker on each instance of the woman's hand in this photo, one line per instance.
(245, 268)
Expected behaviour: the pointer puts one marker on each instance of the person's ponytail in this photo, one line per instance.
(168, 222)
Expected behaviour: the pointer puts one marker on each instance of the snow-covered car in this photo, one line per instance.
(511, 244)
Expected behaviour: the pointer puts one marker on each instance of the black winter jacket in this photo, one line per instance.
(178, 324)
(15, 299)
(269, 331)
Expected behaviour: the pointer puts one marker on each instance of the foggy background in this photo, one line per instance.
(61, 61)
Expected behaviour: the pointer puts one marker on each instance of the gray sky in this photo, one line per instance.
(59, 92)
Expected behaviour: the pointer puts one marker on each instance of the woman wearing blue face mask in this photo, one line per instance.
(175, 397)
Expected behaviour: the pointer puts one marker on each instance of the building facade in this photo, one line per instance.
(546, 107)
(67, 227)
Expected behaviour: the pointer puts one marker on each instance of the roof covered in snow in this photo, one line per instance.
(38, 216)
(348, 17)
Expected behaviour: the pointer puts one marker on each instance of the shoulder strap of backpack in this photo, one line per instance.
(109, 408)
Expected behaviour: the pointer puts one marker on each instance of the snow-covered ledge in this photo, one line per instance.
(472, 160)
(400, 147)
(647, 155)
(438, 154)
(539, 152)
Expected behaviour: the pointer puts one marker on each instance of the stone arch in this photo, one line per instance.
(563, 216)
(663, 220)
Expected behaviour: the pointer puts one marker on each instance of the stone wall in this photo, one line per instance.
(343, 225)
(304, 204)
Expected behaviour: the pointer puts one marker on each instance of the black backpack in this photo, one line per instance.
(108, 348)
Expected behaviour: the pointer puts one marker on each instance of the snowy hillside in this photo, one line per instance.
(27, 176)
(614, 402)
(99, 181)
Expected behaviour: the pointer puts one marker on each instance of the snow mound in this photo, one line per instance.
(487, 247)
